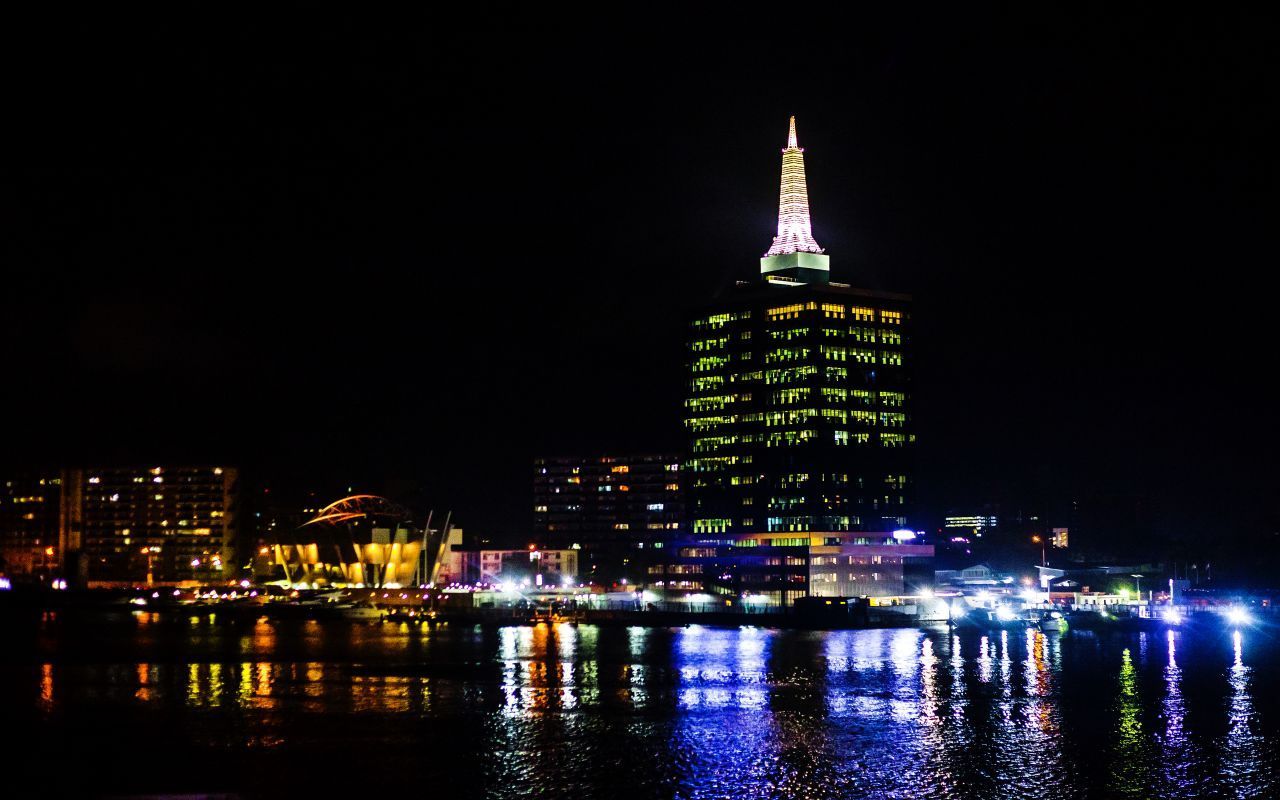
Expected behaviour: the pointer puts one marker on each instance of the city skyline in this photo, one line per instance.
(206, 281)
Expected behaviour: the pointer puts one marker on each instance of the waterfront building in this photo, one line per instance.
(360, 540)
(31, 527)
(105, 526)
(976, 577)
(799, 429)
(614, 509)
(169, 524)
(799, 407)
(779, 569)
(532, 567)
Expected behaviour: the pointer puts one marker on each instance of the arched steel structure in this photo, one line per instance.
(359, 506)
(363, 539)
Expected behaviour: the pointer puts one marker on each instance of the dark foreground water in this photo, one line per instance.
(139, 704)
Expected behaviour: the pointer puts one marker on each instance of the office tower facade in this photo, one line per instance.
(614, 509)
(799, 407)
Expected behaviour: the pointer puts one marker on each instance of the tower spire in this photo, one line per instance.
(795, 232)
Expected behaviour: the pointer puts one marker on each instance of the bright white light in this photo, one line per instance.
(699, 598)
(904, 535)
(1030, 595)
(1003, 614)
(943, 609)
(1171, 616)
(506, 587)
(1238, 616)
(755, 598)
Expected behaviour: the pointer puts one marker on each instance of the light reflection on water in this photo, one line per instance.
(709, 712)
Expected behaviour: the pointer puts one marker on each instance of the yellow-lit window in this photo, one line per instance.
(784, 312)
(891, 317)
(862, 313)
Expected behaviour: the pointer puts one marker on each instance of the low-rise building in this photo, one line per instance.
(779, 569)
(531, 567)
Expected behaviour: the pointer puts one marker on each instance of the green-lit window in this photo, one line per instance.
(790, 374)
(784, 397)
(709, 363)
(783, 354)
(789, 334)
(892, 399)
(789, 438)
(789, 417)
(707, 345)
(712, 444)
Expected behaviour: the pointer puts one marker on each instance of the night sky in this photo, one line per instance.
(362, 250)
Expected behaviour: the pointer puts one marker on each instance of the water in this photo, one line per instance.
(140, 703)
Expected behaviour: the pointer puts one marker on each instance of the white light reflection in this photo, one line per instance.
(1246, 762)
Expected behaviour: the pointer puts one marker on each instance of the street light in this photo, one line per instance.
(1137, 583)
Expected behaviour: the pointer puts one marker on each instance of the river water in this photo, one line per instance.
(141, 703)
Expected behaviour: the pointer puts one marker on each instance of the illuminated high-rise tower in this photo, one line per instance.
(794, 254)
(798, 411)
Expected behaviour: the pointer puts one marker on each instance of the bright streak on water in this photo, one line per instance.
(690, 712)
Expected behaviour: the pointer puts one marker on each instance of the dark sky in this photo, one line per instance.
(362, 248)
